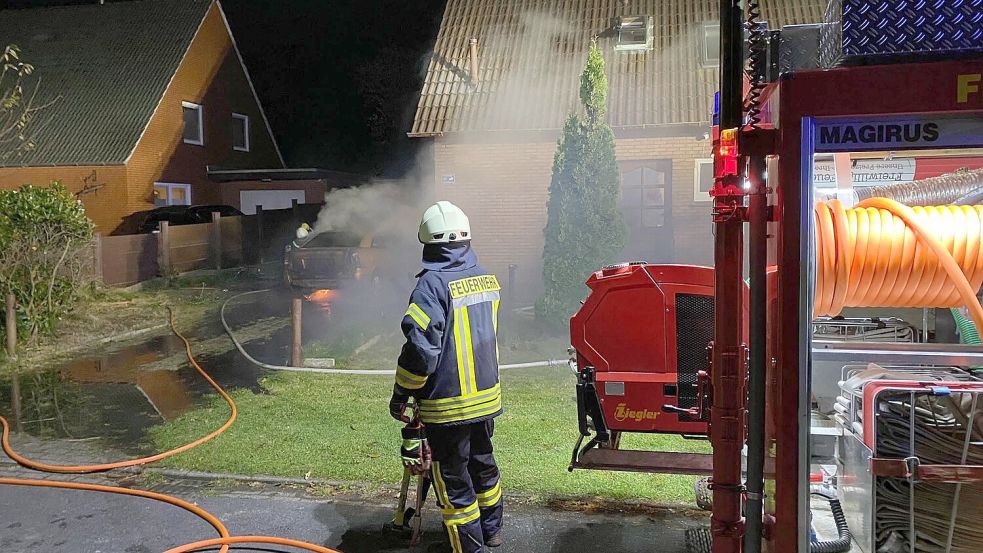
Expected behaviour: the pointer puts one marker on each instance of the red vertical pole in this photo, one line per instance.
(791, 483)
(727, 411)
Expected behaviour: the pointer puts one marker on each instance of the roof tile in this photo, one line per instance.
(106, 67)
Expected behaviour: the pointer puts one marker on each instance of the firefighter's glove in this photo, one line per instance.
(409, 452)
(398, 406)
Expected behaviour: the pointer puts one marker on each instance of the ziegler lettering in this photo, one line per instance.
(880, 134)
(473, 285)
(623, 413)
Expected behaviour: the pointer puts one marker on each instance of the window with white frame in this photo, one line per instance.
(711, 45)
(703, 180)
(635, 32)
(194, 129)
(240, 132)
(169, 193)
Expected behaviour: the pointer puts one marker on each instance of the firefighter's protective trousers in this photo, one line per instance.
(449, 363)
(466, 480)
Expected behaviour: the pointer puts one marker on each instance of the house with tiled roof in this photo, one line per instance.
(142, 97)
(505, 73)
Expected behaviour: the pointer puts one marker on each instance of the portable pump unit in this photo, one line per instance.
(640, 342)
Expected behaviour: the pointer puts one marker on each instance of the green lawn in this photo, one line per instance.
(338, 428)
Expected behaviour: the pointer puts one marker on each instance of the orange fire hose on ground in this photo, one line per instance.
(224, 540)
(886, 254)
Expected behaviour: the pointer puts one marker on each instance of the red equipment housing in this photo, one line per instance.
(641, 342)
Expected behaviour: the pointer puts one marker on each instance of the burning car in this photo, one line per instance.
(331, 259)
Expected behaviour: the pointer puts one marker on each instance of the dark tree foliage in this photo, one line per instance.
(585, 228)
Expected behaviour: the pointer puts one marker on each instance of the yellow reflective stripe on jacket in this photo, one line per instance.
(495, 305)
(452, 418)
(456, 517)
(462, 372)
(444, 414)
(472, 379)
(408, 380)
(491, 497)
(418, 315)
(460, 401)
(465, 352)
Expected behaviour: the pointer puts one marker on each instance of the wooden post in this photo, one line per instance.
(11, 325)
(296, 211)
(259, 235)
(15, 401)
(164, 250)
(216, 239)
(97, 254)
(296, 351)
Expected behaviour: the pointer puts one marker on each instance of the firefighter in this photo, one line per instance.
(449, 363)
(303, 231)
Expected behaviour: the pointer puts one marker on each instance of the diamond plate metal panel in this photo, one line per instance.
(877, 28)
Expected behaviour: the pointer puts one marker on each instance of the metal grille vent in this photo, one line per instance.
(694, 331)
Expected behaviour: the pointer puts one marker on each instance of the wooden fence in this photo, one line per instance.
(223, 243)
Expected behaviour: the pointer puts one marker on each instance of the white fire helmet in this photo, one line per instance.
(444, 222)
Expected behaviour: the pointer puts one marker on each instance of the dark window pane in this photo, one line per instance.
(632, 178)
(711, 44)
(192, 130)
(631, 196)
(239, 133)
(653, 177)
(654, 197)
(706, 176)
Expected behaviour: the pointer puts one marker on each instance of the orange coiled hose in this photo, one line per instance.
(886, 254)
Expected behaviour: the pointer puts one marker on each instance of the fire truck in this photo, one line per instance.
(809, 400)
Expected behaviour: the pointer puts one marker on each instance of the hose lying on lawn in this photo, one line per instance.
(357, 372)
(224, 539)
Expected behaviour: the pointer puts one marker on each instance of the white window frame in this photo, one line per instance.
(245, 122)
(704, 46)
(201, 123)
(699, 195)
(170, 187)
(649, 43)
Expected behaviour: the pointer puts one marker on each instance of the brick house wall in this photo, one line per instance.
(106, 201)
(503, 187)
(210, 75)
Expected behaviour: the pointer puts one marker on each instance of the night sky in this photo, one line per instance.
(338, 79)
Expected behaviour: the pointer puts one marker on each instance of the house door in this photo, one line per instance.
(646, 201)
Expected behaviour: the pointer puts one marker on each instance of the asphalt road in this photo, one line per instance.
(62, 521)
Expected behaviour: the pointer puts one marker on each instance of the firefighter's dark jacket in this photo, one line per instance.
(450, 359)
